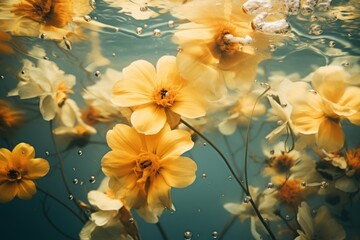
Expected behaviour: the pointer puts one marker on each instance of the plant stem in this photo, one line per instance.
(161, 230)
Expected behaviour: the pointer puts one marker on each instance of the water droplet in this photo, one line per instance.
(97, 73)
(145, 25)
(117, 29)
(247, 199)
(272, 48)
(199, 210)
(280, 122)
(345, 64)
(287, 217)
(171, 23)
(314, 211)
(222, 195)
(43, 36)
(22, 72)
(81, 183)
(80, 152)
(187, 235)
(229, 177)
(214, 234)
(74, 169)
(324, 184)
(87, 18)
(131, 220)
(349, 35)
(144, 8)
(270, 185)
(203, 175)
(138, 30)
(2, 77)
(47, 153)
(113, 54)
(312, 91)
(303, 184)
(179, 49)
(46, 58)
(332, 44)
(315, 29)
(75, 181)
(92, 4)
(71, 197)
(92, 179)
(157, 32)
(272, 151)
(204, 144)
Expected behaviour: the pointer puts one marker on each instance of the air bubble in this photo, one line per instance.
(214, 234)
(22, 72)
(284, 105)
(71, 197)
(280, 122)
(332, 44)
(171, 23)
(92, 179)
(179, 49)
(87, 18)
(47, 153)
(80, 152)
(203, 175)
(247, 199)
(204, 144)
(188, 235)
(145, 25)
(75, 181)
(157, 32)
(230, 177)
(324, 184)
(303, 184)
(46, 58)
(138, 30)
(43, 36)
(272, 48)
(2, 77)
(97, 73)
(345, 64)
(315, 29)
(287, 217)
(144, 9)
(312, 91)
(131, 220)
(270, 185)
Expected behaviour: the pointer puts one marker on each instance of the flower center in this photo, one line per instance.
(13, 175)
(164, 97)
(61, 94)
(226, 40)
(290, 191)
(282, 163)
(147, 166)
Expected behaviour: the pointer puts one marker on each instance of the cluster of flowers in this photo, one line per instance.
(220, 47)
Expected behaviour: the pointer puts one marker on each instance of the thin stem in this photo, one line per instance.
(161, 230)
(235, 176)
(60, 160)
(287, 224)
(227, 227)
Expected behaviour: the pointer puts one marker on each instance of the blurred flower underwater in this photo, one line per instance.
(179, 119)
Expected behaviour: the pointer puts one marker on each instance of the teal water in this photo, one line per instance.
(199, 207)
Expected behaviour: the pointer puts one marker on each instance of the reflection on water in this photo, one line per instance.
(171, 119)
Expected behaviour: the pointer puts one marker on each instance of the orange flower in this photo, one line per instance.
(4, 43)
(158, 96)
(142, 168)
(353, 159)
(18, 169)
(9, 118)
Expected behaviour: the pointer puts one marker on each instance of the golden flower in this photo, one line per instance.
(18, 169)
(158, 96)
(290, 190)
(143, 168)
(321, 112)
(219, 48)
(353, 159)
(10, 118)
(35, 17)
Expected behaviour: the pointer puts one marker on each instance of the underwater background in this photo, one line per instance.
(133, 30)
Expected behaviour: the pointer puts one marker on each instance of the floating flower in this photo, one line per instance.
(157, 96)
(218, 48)
(265, 202)
(110, 220)
(18, 169)
(290, 191)
(321, 112)
(10, 118)
(322, 226)
(143, 168)
(47, 82)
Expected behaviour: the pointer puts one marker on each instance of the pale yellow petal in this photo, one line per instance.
(5, 156)
(307, 117)
(178, 172)
(148, 119)
(174, 143)
(37, 168)
(351, 99)
(8, 191)
(159, 193)
(48, 107)
(27, 189)
(330, 136)
(118, 163)
(22, 153)
(329, 82)
(131, 93)
(166, 70)
(124, 138)
(135, 198)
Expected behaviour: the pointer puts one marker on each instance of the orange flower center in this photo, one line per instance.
(61, 94)
(13, 175)
(281, 163)
(147, 166)
(49, 12)
(9, 117)
(353, 159)
(165, 97)
(290, 191)
(223, 43)
(90, 116)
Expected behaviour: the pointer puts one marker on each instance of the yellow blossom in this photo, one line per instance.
(143, 168)
(158, 96)
(10, 118)
(18, 169)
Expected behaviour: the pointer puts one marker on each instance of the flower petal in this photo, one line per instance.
(102, 217)
(326, 227)
(37, 168)
(124, 138)
(306, 118)
(27, 189)
(305, 220)
(148, 119)
(8, 191)
(330, 136)
(228, 126)
(5, 156)
(118, 163)
(48, 107)
(178, 172)
(103, 201)
(159, 194)
(21, 154)
(174, 143)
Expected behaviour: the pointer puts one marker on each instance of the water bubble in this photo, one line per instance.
(349, 35)
(47, 153)
(80, 152)
(203, 175)
(272, 151)
(87, 18)
(113, 54)
(92, 179)
(157, 32)
(92, 3)
(2, 77)
(222, 195)
(43, 36)
(67, 43)
(322, 41)
(247, 199)
(314, 211)
(138, 30)
(287, 217)
(312, 91)
(280, 122)
(345, 64)
(332, 44)
(171, 23)
(284, 105)
(117, 29)
(272, 48)
(97, 73)
(270, 185)
(229, 177)
(179, 49)
(199, 210)
(303, 184)
(131, 220)
(145, 25)
(204, 144)
(144, 8)
(324, 184)
(266, 220)
(214, 234)
(187, 235)
(315, 29)
(46, 58)
(22, 72)
(71, 197)
(75, 181)
(74, 169)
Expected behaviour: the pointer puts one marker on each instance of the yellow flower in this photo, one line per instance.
(353, 159)
(321, 113)
(10, 118)
(18, 169)
(158, 96)
(219, 47)
(143, 168)
(4, 46)
(289, 190)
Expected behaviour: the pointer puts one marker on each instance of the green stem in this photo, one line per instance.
(161, 230)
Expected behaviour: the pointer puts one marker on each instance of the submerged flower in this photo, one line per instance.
(143, 168)
(219, 48)
(157, 96)
(47, 82)
(321, 112)
(4, 45)
(289, 190)
(18, 169)
(322, 226)
(10, 118)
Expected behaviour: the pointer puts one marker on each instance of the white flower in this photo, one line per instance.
(47, 82)
(322, 226)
